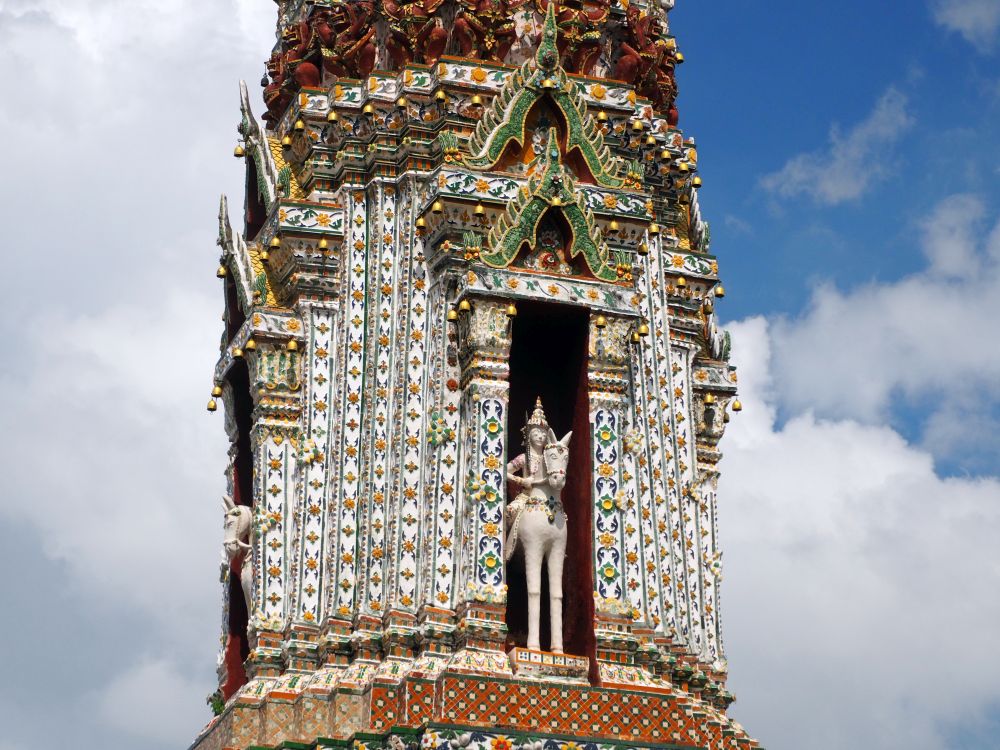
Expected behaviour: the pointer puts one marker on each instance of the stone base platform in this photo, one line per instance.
(458, 711)
(545, 665)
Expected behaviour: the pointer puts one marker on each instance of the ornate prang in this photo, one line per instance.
(428, 242)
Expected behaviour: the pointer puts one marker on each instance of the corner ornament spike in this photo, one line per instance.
(519, 225)
(547, 57)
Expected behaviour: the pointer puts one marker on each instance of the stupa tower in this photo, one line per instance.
(469, 343)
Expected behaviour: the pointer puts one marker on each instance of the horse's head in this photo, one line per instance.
(556, 455)
(236, 526)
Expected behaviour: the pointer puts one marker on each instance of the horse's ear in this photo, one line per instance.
(565, 441)
(552, 437)
(227, 503)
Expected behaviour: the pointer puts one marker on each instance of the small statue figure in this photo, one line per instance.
(581, 24)
(485, 29)
(536, 520)
(647, 60)
(415, 33)
(236, 543)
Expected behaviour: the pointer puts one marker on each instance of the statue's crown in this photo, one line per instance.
(537, 417)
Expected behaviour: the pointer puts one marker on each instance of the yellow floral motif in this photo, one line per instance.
(490, 529)
(512, 283)
(482, 185)
(553, 290)
(292, 325)
(478, 75)
(282, 215)
(323, 220)
(677, 261)
(598, 91)
(610, 201)
(606, 470)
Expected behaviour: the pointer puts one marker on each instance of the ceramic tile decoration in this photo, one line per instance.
(474, 387)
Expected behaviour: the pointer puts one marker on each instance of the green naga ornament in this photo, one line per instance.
(505, 121)
(550, 189)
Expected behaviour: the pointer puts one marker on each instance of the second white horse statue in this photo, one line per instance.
(536, 520)
(237, 541)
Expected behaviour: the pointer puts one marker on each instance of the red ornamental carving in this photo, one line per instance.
(415, 34)
(647, 61)
(485, 28)
(581, 24)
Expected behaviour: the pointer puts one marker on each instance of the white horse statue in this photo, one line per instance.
(537, 521)
(237, 541)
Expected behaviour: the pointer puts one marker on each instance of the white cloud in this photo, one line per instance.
(978, 21)
(924, 341)
(152, 700)
(859, 585)
(853, 162)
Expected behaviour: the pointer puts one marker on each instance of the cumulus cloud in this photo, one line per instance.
(111, 334)
(923, 341)
(859, 583)
(978, 21)
(852, 163)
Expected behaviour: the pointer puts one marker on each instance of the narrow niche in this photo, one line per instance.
(548, 360)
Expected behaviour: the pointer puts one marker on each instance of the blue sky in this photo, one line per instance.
(851, 158)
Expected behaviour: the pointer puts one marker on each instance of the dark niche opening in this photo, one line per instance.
(548, 359)
(237, 648)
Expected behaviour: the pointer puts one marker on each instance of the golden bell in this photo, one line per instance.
(323, 245)
(441, 96)
(681, 282)
(637, 126)
(250, 346)
(556, 201)
(720, 291)
(421, 223)
(332, 116)
(696, 183)
(737, 406)
(239, 152)
(511, 310)
(643, 329)
(221, 272)
(217, 391)
(299, 126)
(237, 353)
(709, 399)
(665, 155)
(211, 405)
(265, 256)
(275, 242)
(548, 83)
(709, 307)
(643, 248)
(401, 101)
(678, 57)
(479, 210)
(613, 226)
(650, 140)
(654, 229)
(477, 100)
(368, 109)
(286, 142)
(292, 345)
(464, 306)
(635, 337)
(437, 207)
(683, 167)
(602, 116)
(452, 315)
(600, 321)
